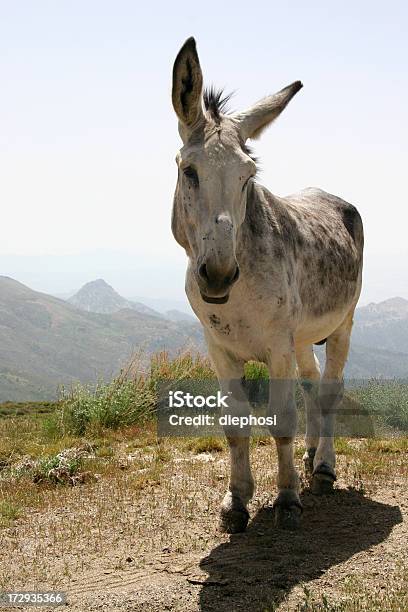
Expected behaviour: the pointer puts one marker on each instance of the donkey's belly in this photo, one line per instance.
(256, 336)
(311, 330)
(252, 333)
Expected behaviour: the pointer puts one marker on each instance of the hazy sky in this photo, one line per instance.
(88, 135)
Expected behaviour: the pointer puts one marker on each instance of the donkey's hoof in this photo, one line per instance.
(308, 458)
(288, 511)
(323, 480)
(234, 519)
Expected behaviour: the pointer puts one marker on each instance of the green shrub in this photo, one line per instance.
(255, 370)
(113, 405)
(62, 468)
(386, 400)
(57, 469)
(128, 399)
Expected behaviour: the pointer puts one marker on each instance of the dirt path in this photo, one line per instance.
(348, 536)
(129, 544)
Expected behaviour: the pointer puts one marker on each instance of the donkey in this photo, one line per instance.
(268, 277)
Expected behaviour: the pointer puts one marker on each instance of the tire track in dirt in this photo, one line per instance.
(111, 579)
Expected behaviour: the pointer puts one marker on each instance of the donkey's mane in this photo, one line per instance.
(216, 102)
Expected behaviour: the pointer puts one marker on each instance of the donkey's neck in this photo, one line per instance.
(264, 213)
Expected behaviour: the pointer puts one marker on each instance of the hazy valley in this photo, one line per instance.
(46, 342)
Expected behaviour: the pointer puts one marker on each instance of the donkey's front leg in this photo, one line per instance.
(282, 367)
(234, 513)
(229, 370)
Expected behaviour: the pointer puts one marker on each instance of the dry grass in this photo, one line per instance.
(162, 496)
(156, 502)
(206, 445)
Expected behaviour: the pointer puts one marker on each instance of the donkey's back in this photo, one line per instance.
(329, 241)
(312, 241)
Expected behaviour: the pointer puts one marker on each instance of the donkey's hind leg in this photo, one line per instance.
(330, 396)
(309, 374)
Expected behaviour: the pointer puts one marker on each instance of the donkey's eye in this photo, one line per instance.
(191, 174)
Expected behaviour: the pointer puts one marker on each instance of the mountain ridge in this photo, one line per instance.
(98, 296)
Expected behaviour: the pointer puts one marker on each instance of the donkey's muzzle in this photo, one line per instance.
(215, 284)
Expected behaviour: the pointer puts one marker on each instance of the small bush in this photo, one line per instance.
(128, 399)
(63, 468)
(255, 370)
(117, 404)
(58, 469)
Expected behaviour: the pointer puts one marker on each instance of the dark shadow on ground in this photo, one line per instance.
(256, 570)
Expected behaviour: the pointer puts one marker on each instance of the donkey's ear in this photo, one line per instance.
(254, 120)
(187, 85)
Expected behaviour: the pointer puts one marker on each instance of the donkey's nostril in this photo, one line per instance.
(202, 271)
(216, 280)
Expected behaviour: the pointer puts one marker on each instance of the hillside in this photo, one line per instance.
(379, 341)
(366, 362)
(178, 315)
(383, 325)
(98, 296)
(45, 342)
